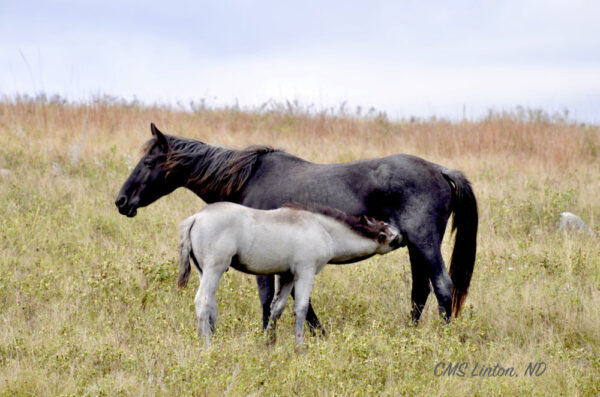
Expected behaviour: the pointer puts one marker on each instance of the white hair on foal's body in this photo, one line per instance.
(295, 242)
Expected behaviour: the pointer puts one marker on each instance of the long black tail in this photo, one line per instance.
(465, 223)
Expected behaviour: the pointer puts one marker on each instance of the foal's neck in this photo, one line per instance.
(347, 244)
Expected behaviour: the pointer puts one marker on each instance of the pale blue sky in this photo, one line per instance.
(406, 58)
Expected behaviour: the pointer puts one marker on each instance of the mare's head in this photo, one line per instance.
(150, 179)
(387, 236)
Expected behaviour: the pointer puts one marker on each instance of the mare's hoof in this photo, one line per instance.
(317, 331)
(445, 318)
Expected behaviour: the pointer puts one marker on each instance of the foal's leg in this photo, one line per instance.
(311, 318)
(206, 305)
(286, 282)
(266, 290)
(303, 286)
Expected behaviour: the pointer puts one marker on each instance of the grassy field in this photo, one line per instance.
(89, 305)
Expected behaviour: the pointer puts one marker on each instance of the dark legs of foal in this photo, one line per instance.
(266, 290)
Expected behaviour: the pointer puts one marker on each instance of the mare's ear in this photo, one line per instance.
(160, 138)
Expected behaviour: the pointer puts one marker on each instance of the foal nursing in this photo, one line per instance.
(294, 242)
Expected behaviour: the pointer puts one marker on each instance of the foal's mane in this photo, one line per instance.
(369, 230)
(212, 169)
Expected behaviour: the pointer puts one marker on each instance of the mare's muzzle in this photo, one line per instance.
(124, 209)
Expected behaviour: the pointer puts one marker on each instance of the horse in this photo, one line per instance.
(415, 196)
(294, 242)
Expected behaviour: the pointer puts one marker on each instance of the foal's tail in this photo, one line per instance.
(465, 222)
(185, 250)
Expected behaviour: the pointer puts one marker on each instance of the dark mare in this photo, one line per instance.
(414, 195)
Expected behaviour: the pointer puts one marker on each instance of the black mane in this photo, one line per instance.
(213, 169)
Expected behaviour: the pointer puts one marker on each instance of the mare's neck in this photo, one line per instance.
(203, 171)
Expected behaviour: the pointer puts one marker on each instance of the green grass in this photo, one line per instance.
(89, 304)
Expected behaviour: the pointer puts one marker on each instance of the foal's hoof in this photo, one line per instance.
(271, 336)
(300, 349)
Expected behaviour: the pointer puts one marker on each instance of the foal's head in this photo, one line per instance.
(150, 179)
(387, 236)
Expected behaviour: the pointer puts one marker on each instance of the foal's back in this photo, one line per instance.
(265, 242)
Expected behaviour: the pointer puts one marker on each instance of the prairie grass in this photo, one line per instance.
(89, 306)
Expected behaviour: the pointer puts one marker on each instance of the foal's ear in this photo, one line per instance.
(381, 238)
(160, 138)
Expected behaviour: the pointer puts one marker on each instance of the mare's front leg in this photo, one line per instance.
(302, 287)
(266, 290)
(206, 304)
(286, 282)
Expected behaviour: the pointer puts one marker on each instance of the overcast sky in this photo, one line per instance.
(406, 58)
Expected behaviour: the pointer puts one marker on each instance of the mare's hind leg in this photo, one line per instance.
(424, 231)
(420, 283)
(441, 282)
(424, 228)
(428, 260)
(286, 282)
(206, 305)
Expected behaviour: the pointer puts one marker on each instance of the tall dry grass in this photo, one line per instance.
(522, 137)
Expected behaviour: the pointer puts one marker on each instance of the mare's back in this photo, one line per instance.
(282, 177)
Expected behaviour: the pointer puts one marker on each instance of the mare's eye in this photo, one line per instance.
(148, 163)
